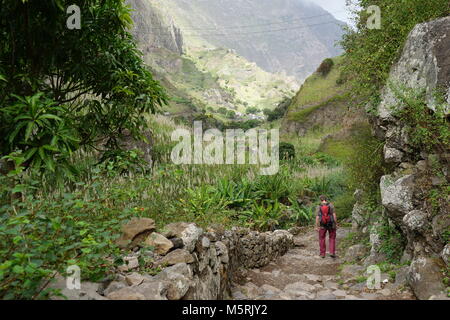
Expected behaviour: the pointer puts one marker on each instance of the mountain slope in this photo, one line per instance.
(291, 36)
(207, 78)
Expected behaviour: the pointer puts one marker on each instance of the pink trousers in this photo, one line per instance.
(322, 238)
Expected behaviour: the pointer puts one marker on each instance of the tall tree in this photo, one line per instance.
(63, 88)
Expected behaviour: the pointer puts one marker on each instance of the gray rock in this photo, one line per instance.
(425, 278)
(401, 277)
(423, 64)
(397, 195)
(179, 279)
(135, 279)
(114, 286)
(415, 220)
(392, 155)
(188, 232)
(131, 263)
(222, 251)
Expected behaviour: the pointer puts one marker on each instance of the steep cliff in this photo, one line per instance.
(415, 194)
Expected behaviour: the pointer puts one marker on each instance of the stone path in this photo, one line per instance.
(302, 275)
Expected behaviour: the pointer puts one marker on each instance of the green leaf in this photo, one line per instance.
(18, 269)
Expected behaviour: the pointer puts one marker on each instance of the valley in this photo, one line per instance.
(116, 159)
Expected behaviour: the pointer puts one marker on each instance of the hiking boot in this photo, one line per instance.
(333, 256)
(322, 257)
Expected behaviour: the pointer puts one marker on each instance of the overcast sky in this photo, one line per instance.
(336, 8)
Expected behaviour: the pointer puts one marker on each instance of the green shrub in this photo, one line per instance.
(344, 205)
(427, 130)
(286, 150)
(365, 165)
(392, 242)
(325, 67)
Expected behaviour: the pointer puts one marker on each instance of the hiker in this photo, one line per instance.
(326, 221)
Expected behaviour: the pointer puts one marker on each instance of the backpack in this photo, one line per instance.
(326, 219)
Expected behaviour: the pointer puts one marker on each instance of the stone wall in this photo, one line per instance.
(196, 264)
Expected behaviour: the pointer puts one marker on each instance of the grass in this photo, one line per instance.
(317, 88)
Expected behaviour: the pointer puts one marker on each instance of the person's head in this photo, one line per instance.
(323, 198)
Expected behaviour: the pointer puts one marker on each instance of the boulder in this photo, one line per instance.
(425, 278)
(424, 63)
(161, 244)
(179, 279)
(397, 195)
(358, 216)
(415, 220)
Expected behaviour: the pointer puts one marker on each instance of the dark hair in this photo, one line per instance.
(323, 198)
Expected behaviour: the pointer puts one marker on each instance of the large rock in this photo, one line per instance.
(188, 232)
(397, 195)
(179, 278)
(136, 230)
(425, 278)
(424, 63)
(161, 244)
(416, 220)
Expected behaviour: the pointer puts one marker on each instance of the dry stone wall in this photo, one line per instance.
(196, 264)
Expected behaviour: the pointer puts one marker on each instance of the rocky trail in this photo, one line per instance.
(301, 274)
